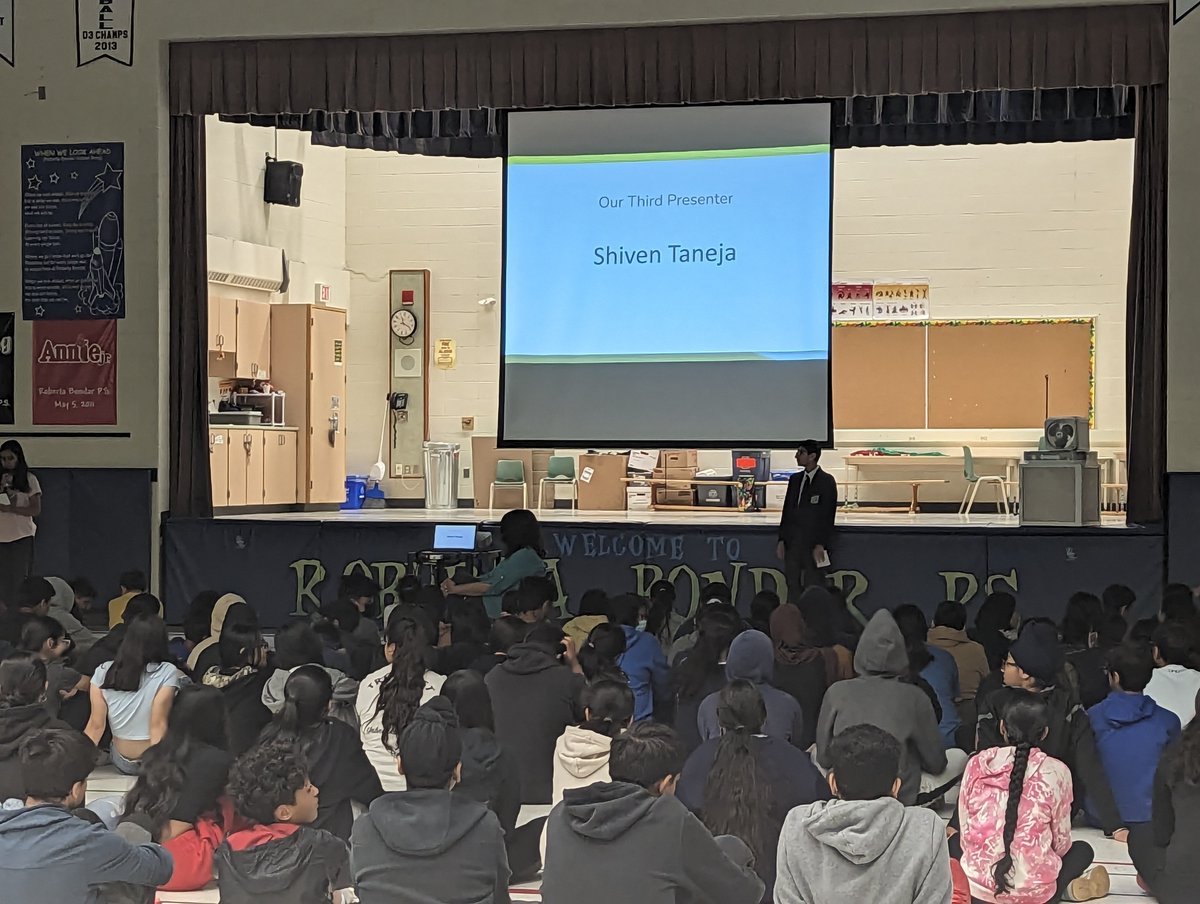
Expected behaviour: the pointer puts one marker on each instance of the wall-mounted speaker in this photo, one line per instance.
(407, 362)
(282, 183)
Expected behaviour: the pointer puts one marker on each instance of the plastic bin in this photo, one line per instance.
(754, 463)
(441, 475)
(713, 496)
(356, 491)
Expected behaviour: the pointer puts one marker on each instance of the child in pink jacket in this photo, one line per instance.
(1014, 815)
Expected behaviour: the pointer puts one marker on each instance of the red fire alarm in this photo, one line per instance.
(408, 296)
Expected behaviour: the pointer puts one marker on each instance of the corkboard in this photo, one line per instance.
(993, 375)
(878, 377)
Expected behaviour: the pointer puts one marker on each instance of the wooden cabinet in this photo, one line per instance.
(255, 476)
(279, 467)
(222, 325)
(239, 455)
(253, 340)
(218, 465)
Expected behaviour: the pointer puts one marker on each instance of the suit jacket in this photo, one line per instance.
(808, 522)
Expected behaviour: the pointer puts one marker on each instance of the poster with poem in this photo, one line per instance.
(73, 231)
(7, 380)
(75, 372)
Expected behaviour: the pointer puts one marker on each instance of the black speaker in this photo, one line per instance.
(282, 184)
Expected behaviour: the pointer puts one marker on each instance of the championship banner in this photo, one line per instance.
(75, 372)
(8, 39)
(7, 380)
(104, 30)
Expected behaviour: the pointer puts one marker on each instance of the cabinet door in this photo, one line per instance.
(228, 311)
(253, 340)
(239, 458)
(327, 407)
(255, 473)
(218, 464)
(280, 467)
(214, 324)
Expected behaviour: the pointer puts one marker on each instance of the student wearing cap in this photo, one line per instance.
(1033, 663)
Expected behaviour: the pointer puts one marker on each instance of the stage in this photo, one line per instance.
(288, 564)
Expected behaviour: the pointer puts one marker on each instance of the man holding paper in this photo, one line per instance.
(806, 528)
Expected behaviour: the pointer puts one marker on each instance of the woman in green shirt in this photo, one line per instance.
(521, 536)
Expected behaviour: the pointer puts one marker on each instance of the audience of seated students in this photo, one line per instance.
(600, 652)
(1034, 663)
(144, 605)
(22, 711)
(1014, 815)
(427, 843)
(882, 696)
(338, 626)
(642, 661)
(61, 605)
(330, 749)
(744, 783)
(48, 641)
(299, 644)
(33, 598)
(581, 752)
(994, 626)
(752, 658)
(700, 671)
(1164, 851)
(177, 796)
(467, 629)
(799, 668)
(1081, 648)
(827, 626)
(505, 632)
(278, 858)
(949, 633)
(1176, 682)
(714, 593)
(47, 853)
(765, 602)
(132, 583)
(228, 609)
(241, 678)
(388, 697)
(864, 845)
(1132, 731)
(630, 839)
(933, 668)
(593, 610)
(535, 696)
(662, 621)
(133, 694)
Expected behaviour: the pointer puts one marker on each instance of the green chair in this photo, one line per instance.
(974, 481)
(561, 470)
(510, 472)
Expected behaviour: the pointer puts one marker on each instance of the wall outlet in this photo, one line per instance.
(466, 473)
(468, 423)
(409, 470)
(398, 470)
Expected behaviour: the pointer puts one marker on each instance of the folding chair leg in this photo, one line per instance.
(492, 498)
(974, 494)
(962, 506)
(541, 493)
(525, 495)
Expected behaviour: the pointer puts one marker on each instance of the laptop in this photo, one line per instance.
(454, 537)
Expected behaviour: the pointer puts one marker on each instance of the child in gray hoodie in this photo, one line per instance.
(866, 845)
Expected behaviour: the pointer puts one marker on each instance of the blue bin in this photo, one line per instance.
(356, 491)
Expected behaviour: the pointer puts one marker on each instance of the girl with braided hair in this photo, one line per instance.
(1015, 818)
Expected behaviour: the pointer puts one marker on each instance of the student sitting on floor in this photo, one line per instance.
(426, 843)
(700, 671)
(752, 658)
(1164, 851)
(1132, 731)
(48, 641)
(49, 854)
(177, 798)
(1034, 663)
(949, 633)
(241, 678)
(278, 859)
(1175, 683)
(296, 645)
(745, 783)
(631, 840)
(865, 846)
(132, 583)
(22, 711)
(1014, 814)
(642, 661)
(931, 668)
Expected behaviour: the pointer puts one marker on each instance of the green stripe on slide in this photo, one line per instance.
(641, 157)
(681, 358)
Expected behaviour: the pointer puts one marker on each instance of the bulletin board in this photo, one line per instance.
(962, 374)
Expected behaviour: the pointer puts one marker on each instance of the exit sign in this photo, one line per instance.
(323, 293)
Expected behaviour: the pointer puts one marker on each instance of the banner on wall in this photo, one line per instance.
(8, 33)
(7, 378)
(874, 300)
(75, 372)
(288, 569)
(104, 30)
(73, 231)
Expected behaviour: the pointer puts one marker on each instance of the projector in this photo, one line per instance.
(1066, 434)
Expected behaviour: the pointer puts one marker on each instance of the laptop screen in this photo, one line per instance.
(454, 536)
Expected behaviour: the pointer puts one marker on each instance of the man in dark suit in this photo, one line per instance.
(806, 528)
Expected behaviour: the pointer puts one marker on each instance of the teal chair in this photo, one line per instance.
(975, 480)
(561, 470)
(510, 473)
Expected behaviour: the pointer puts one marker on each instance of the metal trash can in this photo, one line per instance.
(441, 475)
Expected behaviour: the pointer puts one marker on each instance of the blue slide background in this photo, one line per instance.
(773, 301)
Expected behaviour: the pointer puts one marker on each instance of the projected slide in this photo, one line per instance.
(667, 276)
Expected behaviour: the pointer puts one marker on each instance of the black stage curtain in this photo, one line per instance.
(693, 64)
(1146, 316)
(189, 491)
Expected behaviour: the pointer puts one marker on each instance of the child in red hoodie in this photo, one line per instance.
(278, 859)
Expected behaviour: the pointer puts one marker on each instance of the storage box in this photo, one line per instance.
(637, 499)
(642, 461)
(541, 459)
(674, 497)
(679, 458)
(785, 475)
(713, 495)
(775, 498)
(601, 483)
(679, 473)
(754, 463)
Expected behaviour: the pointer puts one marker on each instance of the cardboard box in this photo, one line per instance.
(775, 497)
(637, 499)
(674, 497)
(541, 459)
(680, 458)
(642, 461)
(659, 474)
(679, 473)
(601, 483)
